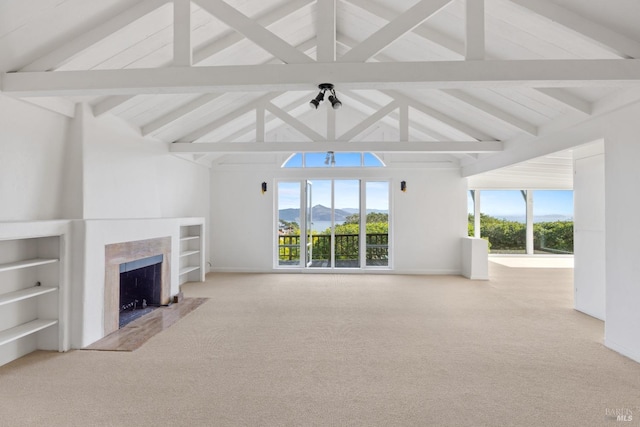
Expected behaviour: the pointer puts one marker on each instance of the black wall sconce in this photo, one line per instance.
(264, 187)
(403, 186)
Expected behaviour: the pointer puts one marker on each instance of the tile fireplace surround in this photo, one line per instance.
(119, 253)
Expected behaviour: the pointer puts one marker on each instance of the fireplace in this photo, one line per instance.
(136, 273)
(140, 286)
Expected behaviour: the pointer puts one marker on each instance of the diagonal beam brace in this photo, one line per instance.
(210, 127)
(172, 116)
(253, 31)
(395, 29)
(295, 123)
(441, 117)
(493, 111)
(459, 49)
(208, 50)
(368, 122)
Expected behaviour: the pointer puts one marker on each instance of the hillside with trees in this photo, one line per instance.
(507, 236)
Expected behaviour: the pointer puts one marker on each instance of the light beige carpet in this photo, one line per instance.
(345, 350)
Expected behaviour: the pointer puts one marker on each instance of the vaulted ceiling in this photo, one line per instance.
(456, 80)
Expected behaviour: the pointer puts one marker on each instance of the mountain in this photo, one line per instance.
(355, 210)
(319, 212)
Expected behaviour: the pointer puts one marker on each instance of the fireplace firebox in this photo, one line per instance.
(140, 288)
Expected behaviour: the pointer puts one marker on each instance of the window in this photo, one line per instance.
(331, 159)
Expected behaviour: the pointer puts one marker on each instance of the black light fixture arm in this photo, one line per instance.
(333, 99)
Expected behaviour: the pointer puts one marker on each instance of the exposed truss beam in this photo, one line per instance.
(568, 99)
(260, 123)
(68, 50)
(368, 122)
(474, 37)
(268, 119)
(305, 146)
(253, 31)
(181, 111)
(606, 37)
(268, 77)
(295, 123)
(233, 37)
(182, 51)
(493, 111)
(210, 127)
(395, 29)
(395, 116)
(374, 8)
(450, 44)
(441, 117)
(403, 122)
(326, 30)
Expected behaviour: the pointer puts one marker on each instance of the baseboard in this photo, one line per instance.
(339, 271)
(622, 350)
(588, 314)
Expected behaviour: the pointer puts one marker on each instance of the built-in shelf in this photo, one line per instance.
(20, 331)
(26, 263)
(192, 251)
(31, 254)
(187, 253)
(188, 269)
(23, 294)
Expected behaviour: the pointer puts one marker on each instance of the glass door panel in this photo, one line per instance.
(289, 224)
(319, 226)
(347, 223)
(308, 222)
(377, 223)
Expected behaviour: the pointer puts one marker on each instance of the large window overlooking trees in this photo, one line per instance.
(503, 220)
(328, 223)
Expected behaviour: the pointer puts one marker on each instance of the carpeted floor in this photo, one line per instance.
(345, 350)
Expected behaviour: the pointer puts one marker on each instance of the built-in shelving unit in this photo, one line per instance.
(31, 275)
(191, 253)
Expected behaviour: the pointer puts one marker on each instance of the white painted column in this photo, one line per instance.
(529, 201)
(622, 175)
(476, 213)
(589, 276)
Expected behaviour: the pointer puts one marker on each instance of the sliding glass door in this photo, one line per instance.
(329, 225)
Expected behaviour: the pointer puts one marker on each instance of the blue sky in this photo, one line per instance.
(346, 194)
(511, 203)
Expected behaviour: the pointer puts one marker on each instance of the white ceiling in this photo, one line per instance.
(256, 64)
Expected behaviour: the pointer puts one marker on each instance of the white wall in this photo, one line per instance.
(589, 230)
(622, 178)
(32, 161)
(127, 176)
(428, 220)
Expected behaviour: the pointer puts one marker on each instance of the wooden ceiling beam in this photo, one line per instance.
(370, 75)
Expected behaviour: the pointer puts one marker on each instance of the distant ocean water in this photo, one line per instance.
(322, 225)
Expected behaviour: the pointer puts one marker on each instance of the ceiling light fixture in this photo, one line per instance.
(330, 159)
(333, 99)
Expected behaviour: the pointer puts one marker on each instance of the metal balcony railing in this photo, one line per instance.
(347, 248)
